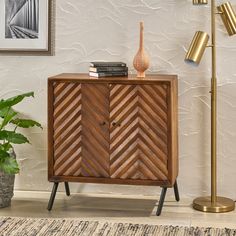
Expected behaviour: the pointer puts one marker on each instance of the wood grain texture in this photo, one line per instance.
(67, 129)
(138, 136)
(130, 79)
(95, 130)
(110, 181)
(173, 164)
(50, 129)
(81, 130)
(113, 130)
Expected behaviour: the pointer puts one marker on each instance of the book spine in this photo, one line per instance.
(97, 64)
(108, 69)
(108, 74)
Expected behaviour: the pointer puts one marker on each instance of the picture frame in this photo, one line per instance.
(25, 27)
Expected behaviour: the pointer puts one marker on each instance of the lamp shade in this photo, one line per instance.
(228, 16)
(200, 2)
(197, 48)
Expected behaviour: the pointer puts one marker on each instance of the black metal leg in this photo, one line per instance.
(67, 188)
(161, 201)
(53, 194)
(163, 195)
(176, 191)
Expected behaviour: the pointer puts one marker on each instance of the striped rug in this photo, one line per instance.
(67, 227)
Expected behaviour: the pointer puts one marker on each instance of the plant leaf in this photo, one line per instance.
(9, 166)
(7, 114)
(4, 154)
(23, 123)
(5, 110)
(14, 100)
(13, 137)
(5, 147)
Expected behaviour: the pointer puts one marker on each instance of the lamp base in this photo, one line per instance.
(222, 204)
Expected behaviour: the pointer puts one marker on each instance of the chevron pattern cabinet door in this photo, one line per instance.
(95, 130)
(138, 132)
(67, 129)
(81, 130)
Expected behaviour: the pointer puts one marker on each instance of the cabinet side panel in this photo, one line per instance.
(95, 130)
(50, 129)
(67, 129)
(173, 134)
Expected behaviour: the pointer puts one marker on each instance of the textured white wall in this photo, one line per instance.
(108, 30)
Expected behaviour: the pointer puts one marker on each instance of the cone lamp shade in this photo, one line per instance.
(228, 17)
(200, 2)
(197, 48)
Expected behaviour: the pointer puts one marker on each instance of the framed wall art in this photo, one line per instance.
(25, 26)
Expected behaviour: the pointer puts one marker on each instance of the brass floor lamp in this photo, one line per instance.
(213, 203)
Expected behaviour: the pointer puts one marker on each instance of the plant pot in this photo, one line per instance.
(6, 186)
(6, 189)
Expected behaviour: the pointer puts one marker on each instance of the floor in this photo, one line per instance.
(113, 208)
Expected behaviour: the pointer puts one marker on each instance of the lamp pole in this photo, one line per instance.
(213, 203)
(213, 106)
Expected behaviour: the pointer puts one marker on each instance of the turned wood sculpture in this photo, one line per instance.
(141, 60)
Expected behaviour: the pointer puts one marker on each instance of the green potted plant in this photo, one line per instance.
(9, 136)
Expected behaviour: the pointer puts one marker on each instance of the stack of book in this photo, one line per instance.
(108, 69)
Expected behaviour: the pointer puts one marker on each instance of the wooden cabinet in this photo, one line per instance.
(113, 130)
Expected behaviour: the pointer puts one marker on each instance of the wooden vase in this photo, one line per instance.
(141, 59)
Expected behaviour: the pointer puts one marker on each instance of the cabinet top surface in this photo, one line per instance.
(133, 78)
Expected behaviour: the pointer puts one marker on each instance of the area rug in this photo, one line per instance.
(70, 227)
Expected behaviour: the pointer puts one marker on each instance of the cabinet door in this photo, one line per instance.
(95, 130)
(138, 132)
(67, 129)
(81, 130)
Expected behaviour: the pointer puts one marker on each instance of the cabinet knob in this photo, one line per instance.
(116, 123)
(103, 123)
